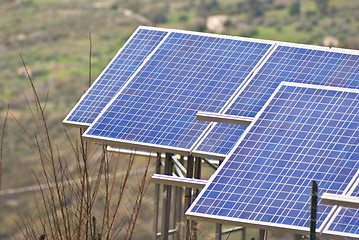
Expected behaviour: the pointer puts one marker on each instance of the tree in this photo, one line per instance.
(294, 8)
(322, 6)
(254, 9)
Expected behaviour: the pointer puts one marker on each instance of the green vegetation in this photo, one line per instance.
(53, 38)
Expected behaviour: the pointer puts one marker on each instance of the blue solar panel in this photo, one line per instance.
(186, 74)
(303, 133)
(290, 64)
(113, 78)
(346, 220)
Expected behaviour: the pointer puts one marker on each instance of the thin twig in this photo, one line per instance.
(90, 59)
(2, 142)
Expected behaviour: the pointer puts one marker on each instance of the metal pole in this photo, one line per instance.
(219, 226)
(174, 210)
(179, 209)
(262, 234)
(166, 199)
(313, 210)
(157, 199)
(218, 231)
(197, 174)
(188, 194)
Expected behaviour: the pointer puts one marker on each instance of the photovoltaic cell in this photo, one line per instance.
(290, 64)
(186, 74)
(303, 133)
(120, 69)
(221, 139)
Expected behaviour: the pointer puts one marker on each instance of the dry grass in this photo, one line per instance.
(65, 209)
(2, 142)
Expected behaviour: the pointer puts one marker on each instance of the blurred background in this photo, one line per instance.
(53, 38)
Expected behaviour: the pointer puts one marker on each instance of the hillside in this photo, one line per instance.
(53, 38)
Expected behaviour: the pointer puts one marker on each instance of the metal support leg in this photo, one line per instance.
(218, 231)
(313, 211)
(157, 199)
(197, 174)
(181, 215)
(188, 194)
(166, 199)
(178, 209)
(262, 234)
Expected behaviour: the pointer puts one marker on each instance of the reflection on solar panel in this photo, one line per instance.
(188, 73)
(303, 133)
(286, 63)
(113, 78)
(345, 222)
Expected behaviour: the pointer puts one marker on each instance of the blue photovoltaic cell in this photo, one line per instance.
(304, 133)
(347, 221)
(187, 73)
(130, 57)
(290, 64)
(222, 138)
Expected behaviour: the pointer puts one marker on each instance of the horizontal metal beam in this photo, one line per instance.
(230, 230)
(223, 118)
(340, 200)
(178, 181)
(171, 231)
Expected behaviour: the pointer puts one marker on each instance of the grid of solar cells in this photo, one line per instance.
(290, 64)
(300, 65)
(347, 220)
(130, 57)
(187, 73)
(303, 134)
(221, 139)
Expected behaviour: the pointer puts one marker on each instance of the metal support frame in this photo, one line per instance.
(180, 208)
(218, 225)
(262, 234)
(223, 118)
(218, 231)
(197, 175)
(340, 200)
(179, 181)
(188, 194)
(210, 164)
(157, 198)
(313, 210)
(167, 189)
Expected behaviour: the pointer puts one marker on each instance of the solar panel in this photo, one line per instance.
(116, 74)
(345, 221)
(303, 133)
(290, 63)
(189, 72)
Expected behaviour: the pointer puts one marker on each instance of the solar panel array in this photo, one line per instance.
(114, 77)
(148, 96)
(187, 73)
(304, 133)
(300, 64)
